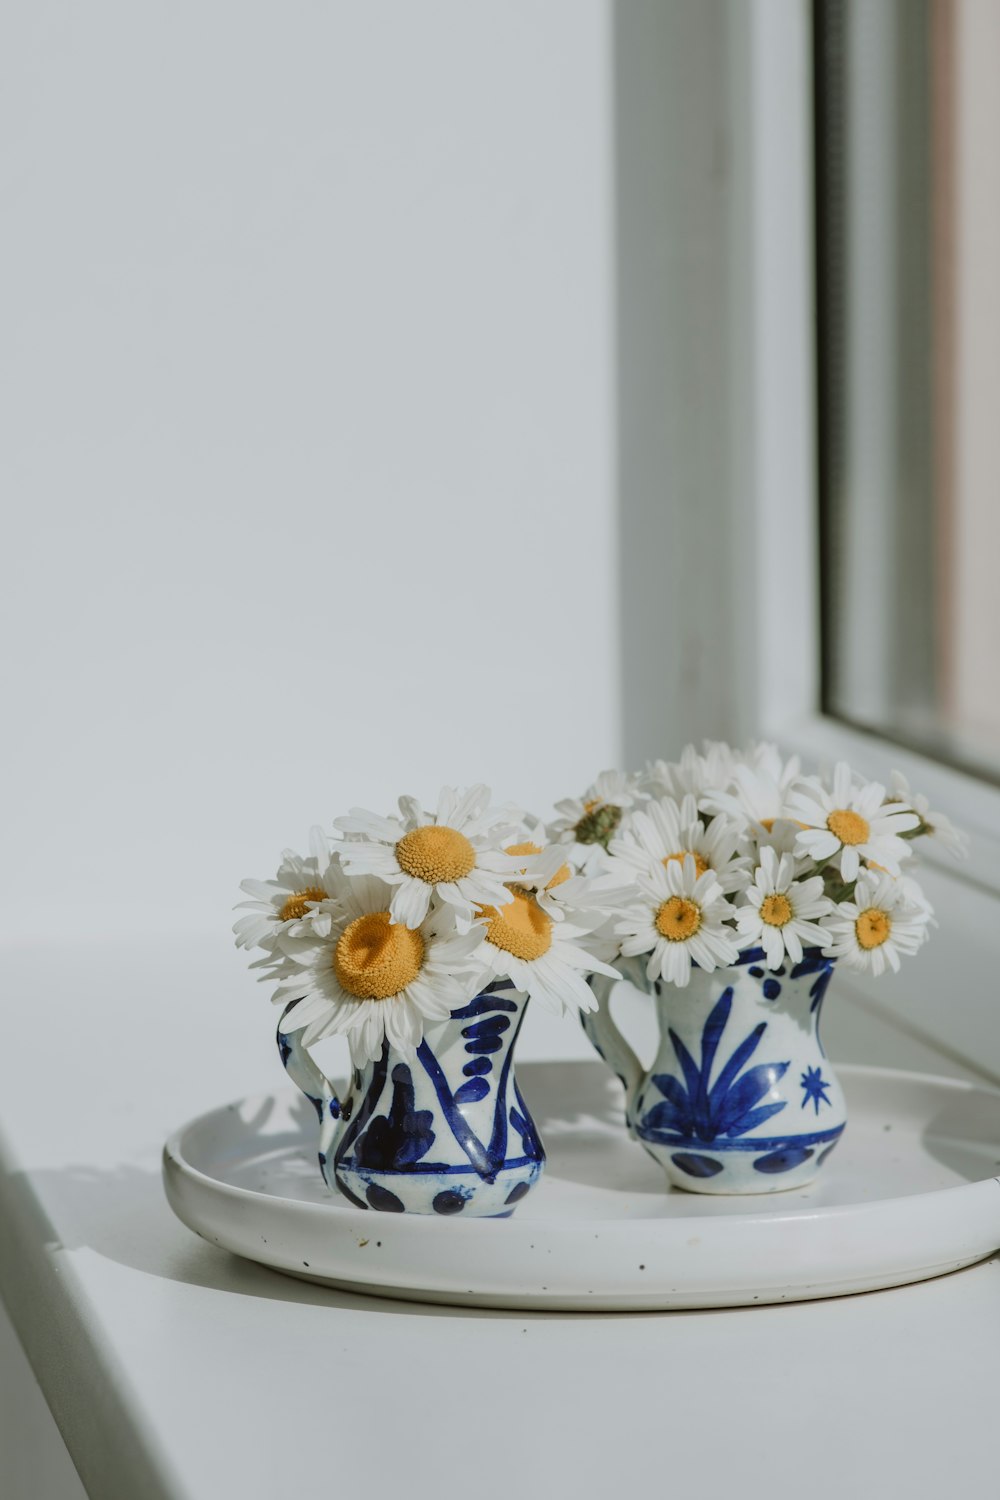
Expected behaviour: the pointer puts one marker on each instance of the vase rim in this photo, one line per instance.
(748, 957)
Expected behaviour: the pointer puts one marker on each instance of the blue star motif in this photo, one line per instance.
(814, 1086)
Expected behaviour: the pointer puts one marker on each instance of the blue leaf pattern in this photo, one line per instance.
(743, 1053)
(691, 1110)
(692, 1073)
(758, 1116)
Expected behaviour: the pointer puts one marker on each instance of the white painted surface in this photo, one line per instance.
(34, 1463)
(230, 353)
(308, 474)
(775, 643)
(177, 1370)
(947, 997)
(307, 390)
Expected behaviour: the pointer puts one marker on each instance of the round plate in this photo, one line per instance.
(910, 1193)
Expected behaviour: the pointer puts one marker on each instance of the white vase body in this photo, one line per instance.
(442, 1131)
(741, 1097)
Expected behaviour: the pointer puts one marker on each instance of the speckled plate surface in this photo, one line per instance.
(912, 1191)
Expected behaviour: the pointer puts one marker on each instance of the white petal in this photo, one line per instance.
(773, 945)
(370, 824)
(411, 902)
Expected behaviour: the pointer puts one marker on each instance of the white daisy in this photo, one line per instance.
(782, 837)
(588, 822)
(664, 831)
(678, 917)
(850, 821)
(558, 891)
(694, 774)
(545, 870)
(283, 905)
(913, 891)
(373, 979)
(764, 756)
(933, 824)
(880, 923)
(757, 789)
(545, 954)
(455, 853)
(781, 912)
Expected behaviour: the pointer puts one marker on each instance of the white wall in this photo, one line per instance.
(307, 469)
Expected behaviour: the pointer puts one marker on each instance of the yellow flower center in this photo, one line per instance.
(521, 928)
(435, 854)
(849, 827)
(375, 957)
(297, 905)
(768, 824)
(873, 927)
(563, 872)
(701, 864)
(678, 919)
(776, 909)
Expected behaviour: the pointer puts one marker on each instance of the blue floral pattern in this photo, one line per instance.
(815, 1088)
(696, 1109)
(446, 1132)
(720, 1109)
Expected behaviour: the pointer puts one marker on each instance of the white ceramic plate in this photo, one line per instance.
(911, 1192)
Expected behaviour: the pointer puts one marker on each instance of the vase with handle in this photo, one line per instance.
(741, 1097)
(440, 1131)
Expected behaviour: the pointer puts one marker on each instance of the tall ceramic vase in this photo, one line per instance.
(741, 1097)
(444, 1131)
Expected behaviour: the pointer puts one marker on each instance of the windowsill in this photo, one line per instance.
(174, 1369)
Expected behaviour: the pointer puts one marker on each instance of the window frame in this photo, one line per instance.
(775, 563)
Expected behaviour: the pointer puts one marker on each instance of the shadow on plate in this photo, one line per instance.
(122, 1214)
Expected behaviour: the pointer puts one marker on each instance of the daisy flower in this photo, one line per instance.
(849, 822)
(373, 979)
(694, 774)
(588, 822)
(764, 756)
(913, 891)
(757, 789)
(782, 837)
(665, 831)
(679, 917)
(934, 824)
(780, 915)
(544, 952)
(557, 889)
(455, 853)
(880, 923)
(283, 905)
(546, 870)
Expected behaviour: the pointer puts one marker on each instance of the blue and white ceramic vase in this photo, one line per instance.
(444, 1131)
(741, 1097)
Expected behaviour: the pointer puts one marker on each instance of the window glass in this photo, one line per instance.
(908, 302)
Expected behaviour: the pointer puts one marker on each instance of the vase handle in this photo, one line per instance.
(305, 1073)
(609, 1043)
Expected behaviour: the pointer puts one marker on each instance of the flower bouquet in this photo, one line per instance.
(745, 883)
(421, 937)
